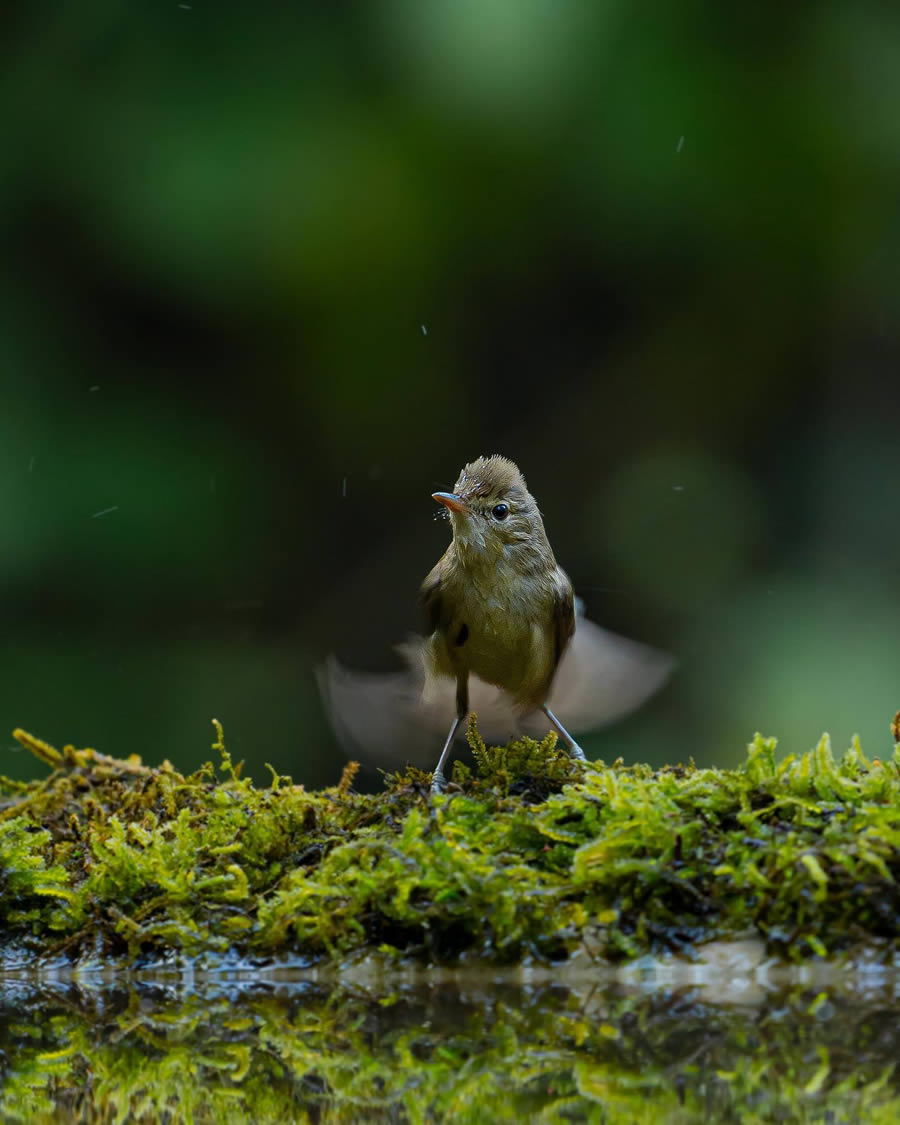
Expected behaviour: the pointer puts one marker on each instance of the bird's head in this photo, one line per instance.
(492, 511)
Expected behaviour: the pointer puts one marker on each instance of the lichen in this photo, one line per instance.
(530, 855)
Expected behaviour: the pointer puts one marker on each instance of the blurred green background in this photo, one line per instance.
(272, 274)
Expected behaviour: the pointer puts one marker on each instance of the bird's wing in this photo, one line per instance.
(602, 677)
(382, 718)
(432, 600)
(563, 615)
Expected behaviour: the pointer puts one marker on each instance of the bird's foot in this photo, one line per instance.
(577, 753)
(438, 782)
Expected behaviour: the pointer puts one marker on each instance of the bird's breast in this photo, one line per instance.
(501, 632)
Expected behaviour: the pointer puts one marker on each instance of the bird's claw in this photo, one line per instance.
(577, 753)
(438, 782)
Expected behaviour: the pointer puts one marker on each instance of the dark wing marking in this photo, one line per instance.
(563, 615)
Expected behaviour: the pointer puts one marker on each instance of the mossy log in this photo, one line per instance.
(529, 857)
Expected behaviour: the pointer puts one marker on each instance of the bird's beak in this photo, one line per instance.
(450, 500)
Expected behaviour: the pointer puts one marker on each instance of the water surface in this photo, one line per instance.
(468, 1045)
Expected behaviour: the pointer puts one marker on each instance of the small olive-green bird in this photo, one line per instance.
(497, 604)
(504, 638)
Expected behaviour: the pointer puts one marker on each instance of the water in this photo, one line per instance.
(464, 1046)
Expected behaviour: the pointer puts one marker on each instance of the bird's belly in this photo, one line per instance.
(513, 658)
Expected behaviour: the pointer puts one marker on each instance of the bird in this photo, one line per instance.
(497, 604)
(503, 635)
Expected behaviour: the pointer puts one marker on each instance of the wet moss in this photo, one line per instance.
(527, 856)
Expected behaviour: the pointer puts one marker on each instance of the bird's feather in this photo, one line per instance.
(383, 719)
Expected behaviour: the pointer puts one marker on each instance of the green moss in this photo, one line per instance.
(529, 855)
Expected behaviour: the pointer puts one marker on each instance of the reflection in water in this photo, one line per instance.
(450, 1047)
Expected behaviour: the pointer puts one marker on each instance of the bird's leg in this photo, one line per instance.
(438, 781)
(574, 749)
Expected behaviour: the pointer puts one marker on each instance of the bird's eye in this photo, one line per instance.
(500, 511)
